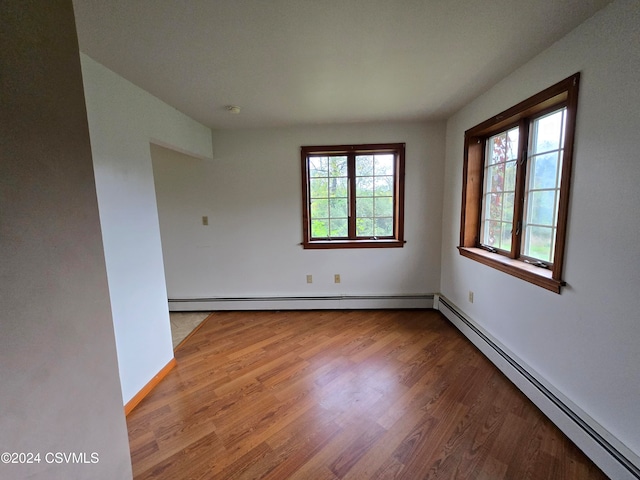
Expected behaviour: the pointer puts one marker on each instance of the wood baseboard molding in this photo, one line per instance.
(137, 398)
(603, 448)
(320, 302)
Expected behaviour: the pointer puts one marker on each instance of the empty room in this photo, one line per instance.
(320, 239)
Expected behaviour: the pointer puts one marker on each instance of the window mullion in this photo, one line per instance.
(351, 173)
(518, 203)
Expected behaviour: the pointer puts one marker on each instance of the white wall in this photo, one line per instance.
(585, 342)
(123, 119)
(251, 192)
(59, 386)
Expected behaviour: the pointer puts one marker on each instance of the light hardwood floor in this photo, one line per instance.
(342, 395)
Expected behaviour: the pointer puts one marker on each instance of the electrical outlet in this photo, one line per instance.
(336, 278)
(470, 296)
(309, 278)
(205, 220)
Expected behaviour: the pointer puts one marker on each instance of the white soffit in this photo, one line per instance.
(296, 62)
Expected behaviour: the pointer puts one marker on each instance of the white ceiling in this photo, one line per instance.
(293, 62)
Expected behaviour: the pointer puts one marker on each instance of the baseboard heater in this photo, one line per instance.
(303, 302)
(629, 469)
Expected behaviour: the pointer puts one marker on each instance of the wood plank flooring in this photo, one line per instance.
(325, 395)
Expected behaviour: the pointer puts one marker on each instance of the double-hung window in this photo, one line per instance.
(353, 195)
(517, 171)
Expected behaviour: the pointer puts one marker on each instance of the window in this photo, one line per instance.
(353, 196)
(515, 196)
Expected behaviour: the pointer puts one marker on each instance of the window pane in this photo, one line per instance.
(364, 186)
(384, 186)
(375, 189)
(544, 171)
(364, 227)
(319, 208)
(496, 149)
(503, 147)
(318, 166)
(539, 243)
(494, 234)
(512, 144)
(384, 206)
(384, 164)
(495, 206)
(547, 132)
(505, 240)
(338, 166)
(495, 178)
(319, 187)
(541, 209)
(338, 208)
(320, 228)
(364, 207)
(339, 228)
(510, 176)
(500, 178)
(338, 187)
(507, 209)
(383, 227)
(364, 165)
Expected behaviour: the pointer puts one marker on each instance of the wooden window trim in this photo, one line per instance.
(351, 150)
(564, 93)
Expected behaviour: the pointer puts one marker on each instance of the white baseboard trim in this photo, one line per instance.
(606, 451)
(327, 302)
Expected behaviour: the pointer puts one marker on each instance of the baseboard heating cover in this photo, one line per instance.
(611, 455)
(302, 302)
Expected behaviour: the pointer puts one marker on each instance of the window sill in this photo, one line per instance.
(529, 273)
(320, 244)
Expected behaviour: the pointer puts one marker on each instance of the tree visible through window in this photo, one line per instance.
(353, 195)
